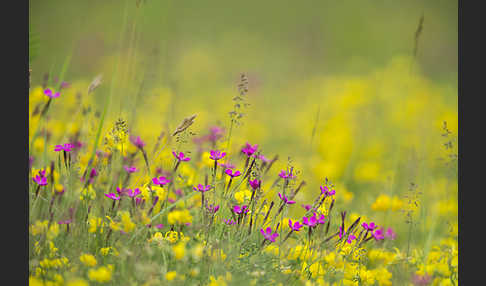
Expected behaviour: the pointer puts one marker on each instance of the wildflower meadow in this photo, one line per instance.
(164, 154)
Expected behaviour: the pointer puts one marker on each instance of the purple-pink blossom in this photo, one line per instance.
(180, 156)
(255, 184)
(321, 219)
(232, 174)
(227, 165)
(40, 178)
(371, 226)
(311, 221)
(378, 234)
(268, 235)
(65, 147)
(229, 221)
(285, 199)
(50, 93)
(130, 169)
(112, 196)
(239, 210)
(326, 192)
(249, 149)
(296, 226)
(160, 181)
(133, 193)
(137, 141)
(390, 234)
(213, 209)
(201, 188)
(217, 155)
(284, 175)
(307, 207)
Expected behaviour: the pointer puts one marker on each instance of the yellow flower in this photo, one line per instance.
(39, 227)
(53, 231)
(179, 250)
(101, 274)
(382, 203)
(88, 260)
(77, 282)
(368, 172)
(95, 224)
(242, 195)
(126, 222)
(179, 217)
(171, 275)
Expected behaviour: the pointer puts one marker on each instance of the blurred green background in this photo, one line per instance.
(332, 84)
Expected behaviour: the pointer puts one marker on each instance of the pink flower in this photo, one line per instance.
(160, 181)
(307, 207)
(378, 234)
(130, 169)
(239, 210)
(180, 156)
(232, 174)
(202, 188)
(326, 192)
(213, 209)
(321, 219)
(226, 165)
(137, 141)
(255, 184)
(50, 94)
(133, 193)
(40, 178)
(268, 234)
(285, 199)
(296, 226)
(229, 221)
(310, 222)
(217, 155)
(249, 149)
(113, 196)
(371, 226)
(284, 175)
(350, 239)
(65, 147)
(390, 234)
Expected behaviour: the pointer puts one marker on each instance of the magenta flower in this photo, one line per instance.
(137, 141)
(68, 221)
(390, 234)
(326, 192)
(213, 209)
(138, 201)
(296, 226)
(65, 147)
(121, 192)
(239, 210)
(378, 234)
(307, 207)
(341, 232)
(180, 156)
(310, 222)
(202, 188)
(321, 219)
(419, 280)
(160, 181)
(227, 165)
(92, 174)
(232, 174)
(229, 221)
(284, 175)
(371, 226)
(133, 193)
(49, 93)
(285, 199)
(255, 184)
(217, 155)
(215, 132)
(113, 196)
(249, 150)
(261, 157)
(350, 238)
(268, 235)
(40, 180)
(129, 169)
